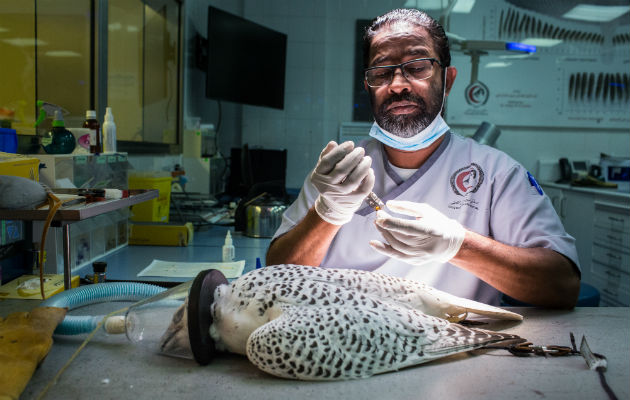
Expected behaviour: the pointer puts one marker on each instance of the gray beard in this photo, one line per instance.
(404, 126)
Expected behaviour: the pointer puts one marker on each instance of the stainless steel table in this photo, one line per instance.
(110, 367)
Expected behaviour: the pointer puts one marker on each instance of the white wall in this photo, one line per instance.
(527, 145)
(319, 88)
(319, 76)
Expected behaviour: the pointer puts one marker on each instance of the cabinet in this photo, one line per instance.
(599, 220)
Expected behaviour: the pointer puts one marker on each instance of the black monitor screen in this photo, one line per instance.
(246, 61)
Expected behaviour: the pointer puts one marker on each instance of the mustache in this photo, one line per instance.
(404, 96)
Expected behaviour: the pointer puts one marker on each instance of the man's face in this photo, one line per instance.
(405, 107)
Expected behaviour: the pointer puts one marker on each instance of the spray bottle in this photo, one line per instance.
(63, 141)
(228, 248)
(58, 140)
(109, 132)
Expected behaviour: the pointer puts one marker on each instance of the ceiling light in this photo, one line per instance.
(24, 42)
(515, 56)
(516, 46)
(498, 64)
(461, 6)
(62, 53)
(424, 4)
(542, 42)
(590, 12)
(464, 6)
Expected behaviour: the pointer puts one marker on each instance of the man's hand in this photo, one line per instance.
(430, 237)
(343, 178)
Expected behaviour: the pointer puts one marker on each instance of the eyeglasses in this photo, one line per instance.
(414, 70)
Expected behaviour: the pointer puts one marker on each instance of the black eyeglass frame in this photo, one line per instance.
(401, 66)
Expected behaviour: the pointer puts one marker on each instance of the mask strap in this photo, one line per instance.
(443, 91)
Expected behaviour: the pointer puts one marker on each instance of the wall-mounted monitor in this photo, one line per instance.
(245, 61)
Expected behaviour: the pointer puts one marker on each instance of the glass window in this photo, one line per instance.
(49, 51)
(143, 57)
(17, 79)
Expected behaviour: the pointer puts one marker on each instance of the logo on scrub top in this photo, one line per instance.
(464, 182)
(467, 180)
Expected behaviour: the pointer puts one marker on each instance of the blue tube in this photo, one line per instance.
(93, 294)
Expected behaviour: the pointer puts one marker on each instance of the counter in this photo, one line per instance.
(109, 367)
(126, 263)
(610, 192)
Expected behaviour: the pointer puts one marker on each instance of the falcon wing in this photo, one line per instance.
(409, 293)
(338, 343)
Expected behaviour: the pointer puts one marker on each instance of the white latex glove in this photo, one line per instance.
(432, 236)
(343, 178)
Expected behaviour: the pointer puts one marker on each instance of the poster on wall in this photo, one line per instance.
(540, 91)
(579, 75)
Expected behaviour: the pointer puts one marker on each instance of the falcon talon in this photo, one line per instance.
(527, 348)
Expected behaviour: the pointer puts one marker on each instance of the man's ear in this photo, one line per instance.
(365, 85)
(451, 74)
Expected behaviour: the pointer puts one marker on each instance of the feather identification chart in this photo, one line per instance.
(577, 77)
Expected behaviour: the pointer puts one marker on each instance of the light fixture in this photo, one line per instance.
(498, 64)
(595, 13)
(463, 6)
(515, 46)
(62, 53)
(487, 134)
(424, 4)
(541, 42)
(24, 42)
(511, 56)
(460, 6)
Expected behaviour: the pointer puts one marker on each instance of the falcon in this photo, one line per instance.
(308, 323)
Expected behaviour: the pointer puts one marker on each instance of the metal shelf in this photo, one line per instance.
(78, 212)
(74, 213)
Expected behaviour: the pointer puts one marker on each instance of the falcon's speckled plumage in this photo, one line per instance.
(309, 323)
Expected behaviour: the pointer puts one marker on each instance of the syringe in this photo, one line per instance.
(374, 202)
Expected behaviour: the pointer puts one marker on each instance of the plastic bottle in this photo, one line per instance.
(228, 248)
(92, 124)
(99, 268)
(109, 132)
(59, 140)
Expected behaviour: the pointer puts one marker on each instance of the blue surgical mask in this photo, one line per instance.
(421, 140)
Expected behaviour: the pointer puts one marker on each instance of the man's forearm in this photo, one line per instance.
(538, 276)
(305, 244)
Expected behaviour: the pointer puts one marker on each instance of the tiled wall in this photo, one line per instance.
(319, 84)
(528, 145)
(319, 78)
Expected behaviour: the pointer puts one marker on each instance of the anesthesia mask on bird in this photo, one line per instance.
(174, 322)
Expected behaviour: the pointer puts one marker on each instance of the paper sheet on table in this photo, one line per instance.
(179, 269)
